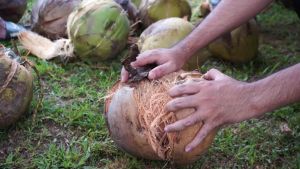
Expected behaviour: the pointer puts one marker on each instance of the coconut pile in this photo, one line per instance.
(99, 31)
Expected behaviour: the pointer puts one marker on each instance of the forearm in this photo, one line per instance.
(277, 90)
(226, 16)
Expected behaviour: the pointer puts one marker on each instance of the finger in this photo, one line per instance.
(184, 89)
(204, 131)
(214, 74)
(181, 124)
(124, 75)
(160, 71)
(181, 103)
(145, 58)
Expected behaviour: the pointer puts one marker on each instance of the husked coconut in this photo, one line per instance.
(136, 117)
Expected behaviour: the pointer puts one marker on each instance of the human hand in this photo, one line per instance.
(168, 60)
(217, 100)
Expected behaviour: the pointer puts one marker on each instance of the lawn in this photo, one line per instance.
(69, 131)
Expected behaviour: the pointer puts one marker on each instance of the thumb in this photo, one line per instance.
(214, 74)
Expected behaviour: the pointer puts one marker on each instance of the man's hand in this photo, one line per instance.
(168, 60)
(217, 100)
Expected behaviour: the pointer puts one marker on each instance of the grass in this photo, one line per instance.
(70, 132)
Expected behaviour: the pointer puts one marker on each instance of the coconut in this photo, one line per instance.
(98, 29)
(165, 34)
(154, 10)
(12, 10)
(238, 46)
(136, 118)
(16, 89)
(49, 17)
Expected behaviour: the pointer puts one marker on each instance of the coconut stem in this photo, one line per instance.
(136, 74)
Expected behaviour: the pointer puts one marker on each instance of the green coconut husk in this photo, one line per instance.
(238, 46)
(98, 29)
(165, 34)
(154, 10)
(16, 90)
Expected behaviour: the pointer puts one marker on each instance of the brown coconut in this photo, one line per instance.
(16, 90)
(12, 10)
(136, 119)
(49, 17)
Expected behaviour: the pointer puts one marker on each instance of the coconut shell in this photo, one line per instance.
(154, 10)
(131, 134)
(238, 46)
(16, 90)
(12, 10)
(98, 29)
(49, 17)
(167, 33)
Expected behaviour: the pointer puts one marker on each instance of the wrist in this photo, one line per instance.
(259, 101)
(182, 56)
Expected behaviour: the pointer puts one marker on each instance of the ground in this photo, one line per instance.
(69, 131)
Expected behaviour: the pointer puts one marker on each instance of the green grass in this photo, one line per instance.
(70, 132)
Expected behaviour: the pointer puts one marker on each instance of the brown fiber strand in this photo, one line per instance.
(12, 72)
(153, 117)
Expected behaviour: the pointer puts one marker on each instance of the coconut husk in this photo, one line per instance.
(49, 17)
(136, 118)
(46, 49)
(16, 89)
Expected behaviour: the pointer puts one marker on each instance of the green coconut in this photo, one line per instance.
(154, 10)
(238, 46)
(165, 34)
(16, 90)
(98, 29)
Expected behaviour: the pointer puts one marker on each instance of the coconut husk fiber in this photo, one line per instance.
(136, 117)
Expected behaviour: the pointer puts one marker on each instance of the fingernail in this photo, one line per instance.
(166, 129)
(132, 64)
(187, 149)
(151, 75)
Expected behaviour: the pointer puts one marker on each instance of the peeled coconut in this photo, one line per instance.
(238, 46)
(12, 10)
(98, 29)
(16, 89)
(49, 17)
(165, 34)
(136, 118)
(154, 10)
